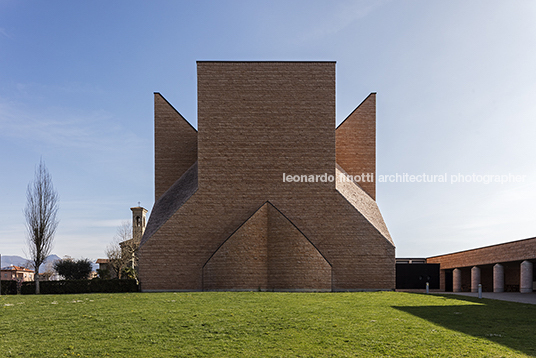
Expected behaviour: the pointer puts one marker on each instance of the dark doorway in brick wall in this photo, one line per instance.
(415, 275)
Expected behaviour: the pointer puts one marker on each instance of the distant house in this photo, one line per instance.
(17, 273)
(104, 264)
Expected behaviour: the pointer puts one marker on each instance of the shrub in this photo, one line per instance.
(104, 274)
(73, 269)
(81, 286)
(9, 287)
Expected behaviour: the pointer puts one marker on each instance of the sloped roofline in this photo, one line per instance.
(164, 98)
(290, 221)
(482, 247)
(171, 201)
(355, 109)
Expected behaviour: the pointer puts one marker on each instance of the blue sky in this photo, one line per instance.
(456, 88)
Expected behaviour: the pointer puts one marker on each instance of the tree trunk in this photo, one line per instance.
(37, 284)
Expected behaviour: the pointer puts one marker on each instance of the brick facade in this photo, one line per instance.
(510, 255)
(358, 157)
(232, 221)
(175, 143)
(267, 253)
(511, 251)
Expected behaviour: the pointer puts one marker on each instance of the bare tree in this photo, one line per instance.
(113, 252)
(122, 253)
(40, 213)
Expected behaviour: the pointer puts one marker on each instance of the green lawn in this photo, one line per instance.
(252, 324)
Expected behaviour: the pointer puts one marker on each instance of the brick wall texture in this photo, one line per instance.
(358, 157)
(244, 227)
(175, 145)
(511, 251)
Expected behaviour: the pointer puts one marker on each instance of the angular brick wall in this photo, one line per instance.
(361, 201)
(175, 145)
(293, 262)
(267, 253)
(356, 144)
(241, 262)
(258, 121)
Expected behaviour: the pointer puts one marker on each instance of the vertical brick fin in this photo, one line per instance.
(355, 144)
(175, 145)
(241, 262)
(267, 252)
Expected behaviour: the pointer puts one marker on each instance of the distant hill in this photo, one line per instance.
(21, 261)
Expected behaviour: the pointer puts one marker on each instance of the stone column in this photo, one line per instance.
(498, 278)
(525, 277)
(457, 280)
(475, 278)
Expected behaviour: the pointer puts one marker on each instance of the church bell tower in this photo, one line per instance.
(138, 222)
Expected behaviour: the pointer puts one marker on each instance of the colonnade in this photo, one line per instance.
(525, 278)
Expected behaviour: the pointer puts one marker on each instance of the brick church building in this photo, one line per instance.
(259, 197)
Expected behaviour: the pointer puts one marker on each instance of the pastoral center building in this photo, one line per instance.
(268, 194)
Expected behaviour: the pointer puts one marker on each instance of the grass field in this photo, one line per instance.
(253, 324)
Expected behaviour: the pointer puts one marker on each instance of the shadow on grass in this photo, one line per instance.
(507, 323)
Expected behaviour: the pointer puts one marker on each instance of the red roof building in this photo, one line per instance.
(17, 273)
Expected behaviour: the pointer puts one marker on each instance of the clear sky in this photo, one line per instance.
(456, 84)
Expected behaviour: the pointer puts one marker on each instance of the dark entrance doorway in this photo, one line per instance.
(415, 276)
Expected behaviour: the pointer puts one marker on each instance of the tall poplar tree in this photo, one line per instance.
(41, 222)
